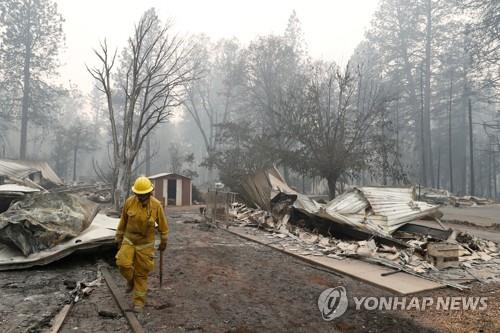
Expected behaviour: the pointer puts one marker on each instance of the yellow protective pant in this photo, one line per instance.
(135, 263)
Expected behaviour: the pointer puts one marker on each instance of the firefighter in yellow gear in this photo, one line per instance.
(135, 238)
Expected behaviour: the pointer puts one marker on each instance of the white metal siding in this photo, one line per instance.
(165, 191)
(190, 193)
(178, 194)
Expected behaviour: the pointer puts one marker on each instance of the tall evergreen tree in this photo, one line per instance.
(31, 37)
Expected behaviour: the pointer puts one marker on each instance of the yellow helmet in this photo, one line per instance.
(142, 185)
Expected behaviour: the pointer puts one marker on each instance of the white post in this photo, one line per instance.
(165, 191)
(178, 195)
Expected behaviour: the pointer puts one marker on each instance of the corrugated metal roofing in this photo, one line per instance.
(17, 188)
(258, 189)
(261, 187)
(306, 204)
(397, 205)
(47, 172)
(22, 169)
(350, 202)
(377, 209)
(380, 210)
(278, 185)
(12, 169)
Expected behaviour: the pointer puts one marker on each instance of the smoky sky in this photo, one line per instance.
(332, 28)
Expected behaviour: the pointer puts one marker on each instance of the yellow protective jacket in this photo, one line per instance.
(137, 223)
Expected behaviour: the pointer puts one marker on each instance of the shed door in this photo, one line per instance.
(172, 191)
(186, 192)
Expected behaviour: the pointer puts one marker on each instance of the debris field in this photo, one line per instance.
(255, 263)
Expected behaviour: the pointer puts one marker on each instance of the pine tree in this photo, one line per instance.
(31, 37)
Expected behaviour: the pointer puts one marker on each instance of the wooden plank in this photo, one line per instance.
(122, 304)
(401, 283)
(60, 317)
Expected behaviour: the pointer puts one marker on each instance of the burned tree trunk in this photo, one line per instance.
(450, 141)
(438, 178)
(427, 96)
(148, 156)
(332, 185)
(26, 88)
(75, 156)
(471, 151)
(123, 182)
(154, 73)
(423, 162)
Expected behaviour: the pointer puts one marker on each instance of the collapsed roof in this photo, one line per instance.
(13, 170)
(29, 173)
(378, 225)
(376, 210)
(42, 220)
(11, 192)
(388, 208)
(261, 187)
(100, 232)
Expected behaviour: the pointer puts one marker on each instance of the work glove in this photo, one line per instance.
(118, 242)
(163, 246)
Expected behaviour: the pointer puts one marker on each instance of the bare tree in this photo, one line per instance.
(155, 66)
(211, 99)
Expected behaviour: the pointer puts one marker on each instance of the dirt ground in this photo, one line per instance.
(217, 282)
(480, 215)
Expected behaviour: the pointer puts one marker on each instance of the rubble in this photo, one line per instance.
(13, 192)
(16, 189)
(37, 174)
(374, 224)
(443, 255)
(372, 210)
(41, 221)
(263, 186)
(100, 196)
(469, 201)
(443, 197)
(100, 233)
(351, 215)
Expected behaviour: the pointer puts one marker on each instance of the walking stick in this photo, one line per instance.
(161, 268)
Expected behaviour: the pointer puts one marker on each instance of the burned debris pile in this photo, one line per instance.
(36, 174)
(443, 197)
(380, 225)
(41, 220)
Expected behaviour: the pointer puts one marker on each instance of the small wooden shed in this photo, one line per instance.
(173, 189)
